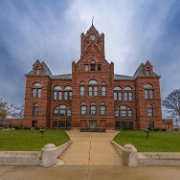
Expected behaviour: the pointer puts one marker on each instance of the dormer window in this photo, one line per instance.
(37, 71)
(147, 71)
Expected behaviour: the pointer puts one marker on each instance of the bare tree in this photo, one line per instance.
(172, 106)
(3, 109)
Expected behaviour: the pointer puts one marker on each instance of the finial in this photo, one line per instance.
(92, 20)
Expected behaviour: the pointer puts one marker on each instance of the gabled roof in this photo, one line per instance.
(92, 29)
(62, 76)
(122, 77)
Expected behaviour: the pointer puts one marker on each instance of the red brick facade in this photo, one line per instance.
(114, 101)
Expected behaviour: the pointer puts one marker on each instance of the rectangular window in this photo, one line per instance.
(115, 96)
(119, 94)
(151, 96)
(62, 112)
(37, 71)
(39, 93)
(125, 96)
(90, 91)
(116, 113)
(93, 110)
(150, 112)
(93, 67)
(59, 95)
(147, 72)
(99, 67)
(82, 91)
(146, 94)
(130, 96)
(123, 113)
(95, 91)
(34, 93)
(102, 110)
(86, 67)
(129, 113)
(103, 91)
(65, 95)
(70, 95)
(83, 110)
(55, 95)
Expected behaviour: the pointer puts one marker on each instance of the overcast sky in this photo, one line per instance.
(135, 31)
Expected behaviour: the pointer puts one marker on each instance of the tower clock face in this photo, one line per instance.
(92, 37)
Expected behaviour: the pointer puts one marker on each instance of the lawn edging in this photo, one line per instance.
(48, 156)
(132, 158)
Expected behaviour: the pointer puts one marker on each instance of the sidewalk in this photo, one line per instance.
(91, 149)
(90, 157)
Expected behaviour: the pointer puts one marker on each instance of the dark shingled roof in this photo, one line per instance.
(62, 76)
(139, 72)
(46, 69)
(122, 77)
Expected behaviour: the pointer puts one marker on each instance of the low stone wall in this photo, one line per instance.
(20, 157)
(132, 158)
(47, 157)
(158, 159)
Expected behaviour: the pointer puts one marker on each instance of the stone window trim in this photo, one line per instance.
(67, 93)
(123, 111)
(57, 93)
(62, 111)
(150, 110)
(36, 90)
(148, 91)
(102, 110)
(117, 93)
(35, 109)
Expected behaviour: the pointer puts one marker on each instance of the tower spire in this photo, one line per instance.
(92, 21)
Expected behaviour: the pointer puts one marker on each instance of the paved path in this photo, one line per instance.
(91, 149)
(90, 157)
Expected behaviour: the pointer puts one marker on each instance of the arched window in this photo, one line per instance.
(123, 111)
(68, 93)
(36, 90)
(93, 108)
(57, 93)
(128, 96)
(62, 110)
(117, 93)
(93, 88)
(83, 108)
(149, 110)
(102, 109)
(148, 91)
(35, 109)
(92, 81)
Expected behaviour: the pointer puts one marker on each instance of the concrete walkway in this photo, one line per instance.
(91, 149)
(90, 157)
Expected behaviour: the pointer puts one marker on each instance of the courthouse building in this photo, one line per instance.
(92, 90)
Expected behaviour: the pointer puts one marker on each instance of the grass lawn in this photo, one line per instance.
(30, 140)
(157, 141)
